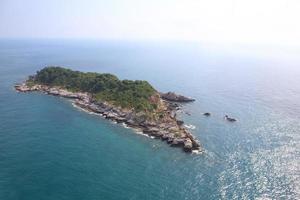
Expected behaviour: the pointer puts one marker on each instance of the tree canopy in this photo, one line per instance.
(103, 86)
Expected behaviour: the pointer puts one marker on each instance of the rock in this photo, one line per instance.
(53, 91)
(95, 108)
(230, 119)
(169, 137)
(207, 114)
(165, 137)
(147, 124)
(120, 119)
(151, 130)
(129, 116)
(173, 114)
(173, 129)
(177, 142)
(188, 145)
(170, 140)
(173, 106)
(131, 123)
(110, 115)
(171, 96)
(157, 134)
(180, 122)
(196, 144)
(22, 88)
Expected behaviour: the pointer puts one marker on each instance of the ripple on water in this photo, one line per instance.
(269, 172)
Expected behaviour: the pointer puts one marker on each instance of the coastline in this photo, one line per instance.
(172, 131)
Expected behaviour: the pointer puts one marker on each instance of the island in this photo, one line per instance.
(136, 104)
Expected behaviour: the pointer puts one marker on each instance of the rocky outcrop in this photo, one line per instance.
(166, 128)
(23, 88)
(171, 96)
(188, 145)
(230, 119)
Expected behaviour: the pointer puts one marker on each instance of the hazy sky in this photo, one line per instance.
(238, 21)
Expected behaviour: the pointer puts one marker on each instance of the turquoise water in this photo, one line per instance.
(51, 150)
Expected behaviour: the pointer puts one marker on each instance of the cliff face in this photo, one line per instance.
(156, 118)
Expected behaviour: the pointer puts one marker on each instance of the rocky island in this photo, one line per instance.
(134, 103)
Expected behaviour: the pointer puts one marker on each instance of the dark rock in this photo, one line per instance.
(180, 122)
(170, 140)
(165, 137)
(169, 137)
(178, 142)
(196, 144)
(206, 114)
(171, 96)
(230, 119)
(188, 145)
(173, 106)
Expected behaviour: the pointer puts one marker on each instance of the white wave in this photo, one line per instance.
(190, 126)
(196, 152)
(125, 126)
(139, 132)
(85, 110)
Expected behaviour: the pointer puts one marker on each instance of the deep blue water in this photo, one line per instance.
(51, 150)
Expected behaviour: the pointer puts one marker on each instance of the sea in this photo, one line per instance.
(51, 150)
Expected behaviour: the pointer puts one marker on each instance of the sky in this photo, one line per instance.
(275, 22)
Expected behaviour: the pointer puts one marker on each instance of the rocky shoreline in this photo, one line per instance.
(168, 128)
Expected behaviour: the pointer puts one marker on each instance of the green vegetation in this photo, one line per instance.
(104, 87)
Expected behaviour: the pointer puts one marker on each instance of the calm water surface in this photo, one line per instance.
(51, 150)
